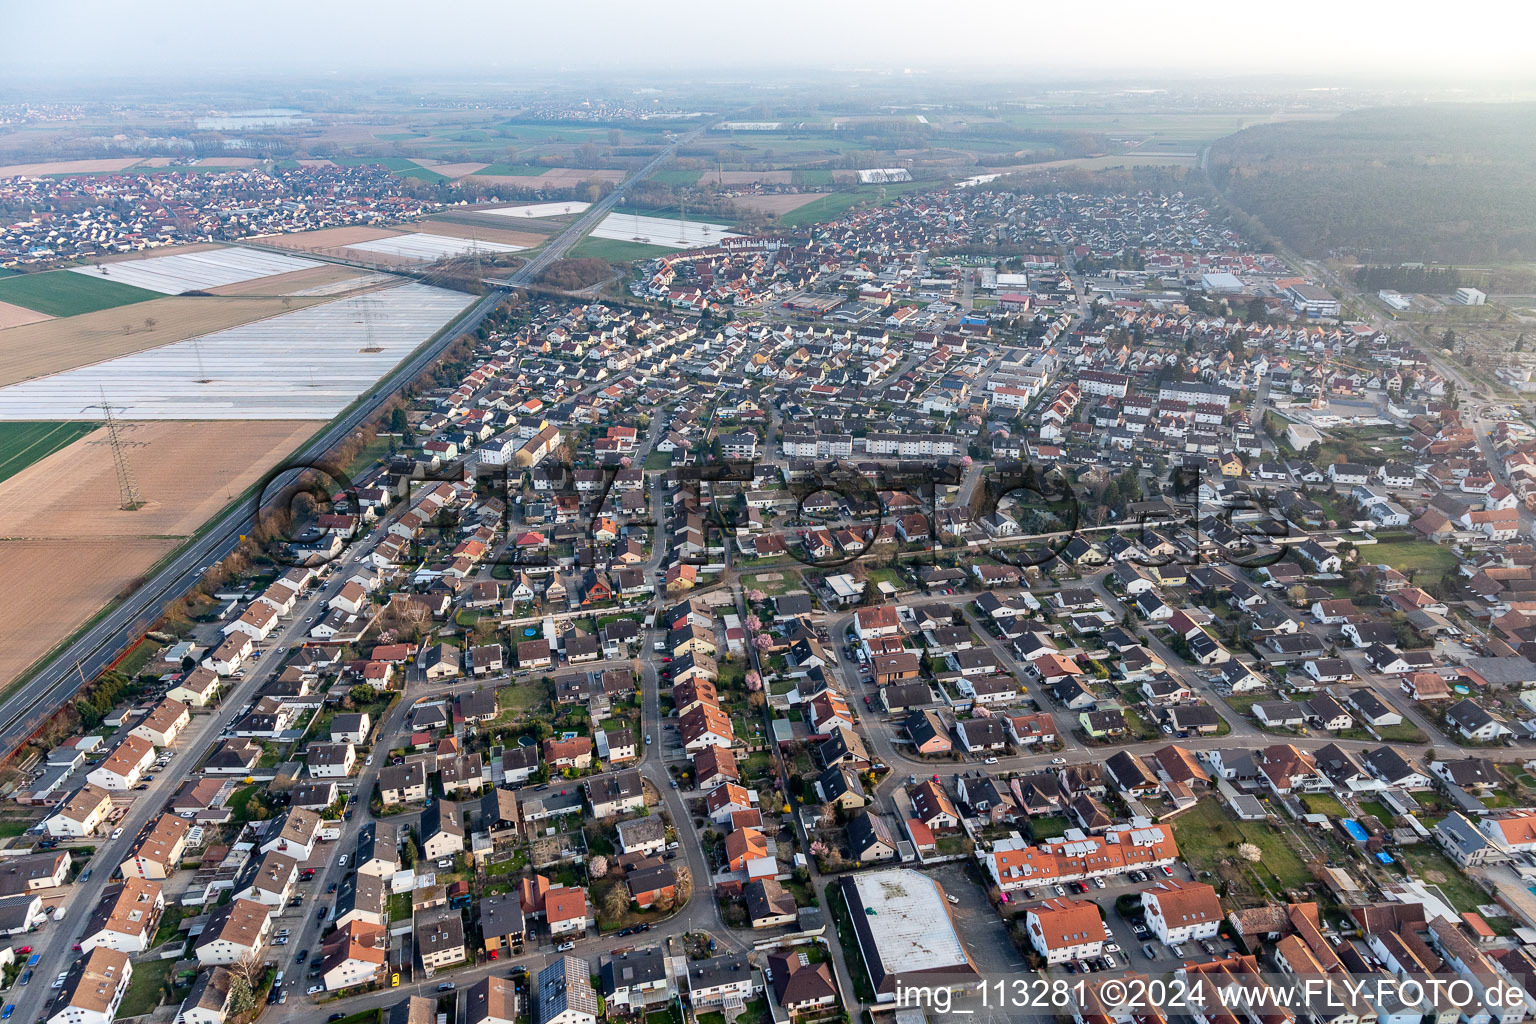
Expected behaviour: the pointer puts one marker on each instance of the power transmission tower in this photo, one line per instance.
(126, 487)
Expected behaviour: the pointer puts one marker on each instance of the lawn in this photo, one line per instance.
(772, 583)
(521, 696)
(239, 803)
(400, 906)
(1431, 867)
(23, 443)
(1379, 809)
(170, 923)
(146, 989)
(1048, 827)
(1410, 555)
(1402, 732)
(1322, 803)
(1207, 836)
(66, 293)
(616, 250)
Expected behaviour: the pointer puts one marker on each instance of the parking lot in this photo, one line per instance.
(983, 932)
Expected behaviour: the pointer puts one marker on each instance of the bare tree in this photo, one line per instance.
(249, 969)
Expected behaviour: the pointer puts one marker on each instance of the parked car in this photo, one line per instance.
(565, 947)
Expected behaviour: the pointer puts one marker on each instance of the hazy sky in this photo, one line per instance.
(65, 41)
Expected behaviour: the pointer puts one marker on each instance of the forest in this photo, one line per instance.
(1412, 279)
(1440, 182)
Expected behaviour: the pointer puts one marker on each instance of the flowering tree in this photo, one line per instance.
(1249, 852)
(597, 867)
(754, 624)
(756, 596)
(762, 641)
(754, 681)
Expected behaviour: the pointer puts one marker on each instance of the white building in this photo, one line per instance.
(1178, 911)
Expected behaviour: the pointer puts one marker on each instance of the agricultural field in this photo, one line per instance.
(327, 238)
(38, 170)
(426, 248)
(65, 532)
(777, 205)
(516, 235)
(538, 210)
(63, 293)
(449, 170)
(660, 232)
(302, 365)
(616, 251)
(324, 279)
(196, 271)
(51, 346)
(22, 444)
(400, 165)
(17, 316)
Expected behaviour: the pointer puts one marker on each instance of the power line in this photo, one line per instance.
(127, 488)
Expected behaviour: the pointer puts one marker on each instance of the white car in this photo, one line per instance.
(367, 760)
(314, 989)
(117, 833)
(565, 947)
(1058, 760)
(342, 860)
(990, 760)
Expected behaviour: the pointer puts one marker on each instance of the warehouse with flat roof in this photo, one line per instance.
(905, 931)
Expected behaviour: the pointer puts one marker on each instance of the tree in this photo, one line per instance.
(248, 969)
(615, 901)
(684, 885)
(1250, 853)
(241, 998)
(754, 681)
(597, 867)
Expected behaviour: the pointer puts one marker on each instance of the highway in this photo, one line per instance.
(91, 651)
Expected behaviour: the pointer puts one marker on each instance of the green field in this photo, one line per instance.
(22, 444)
(617, 250)
(513, 170)
(1408, 555)
(676, 176)
(399, 164)
(831, 206)
(65, 293)
(818, 210)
